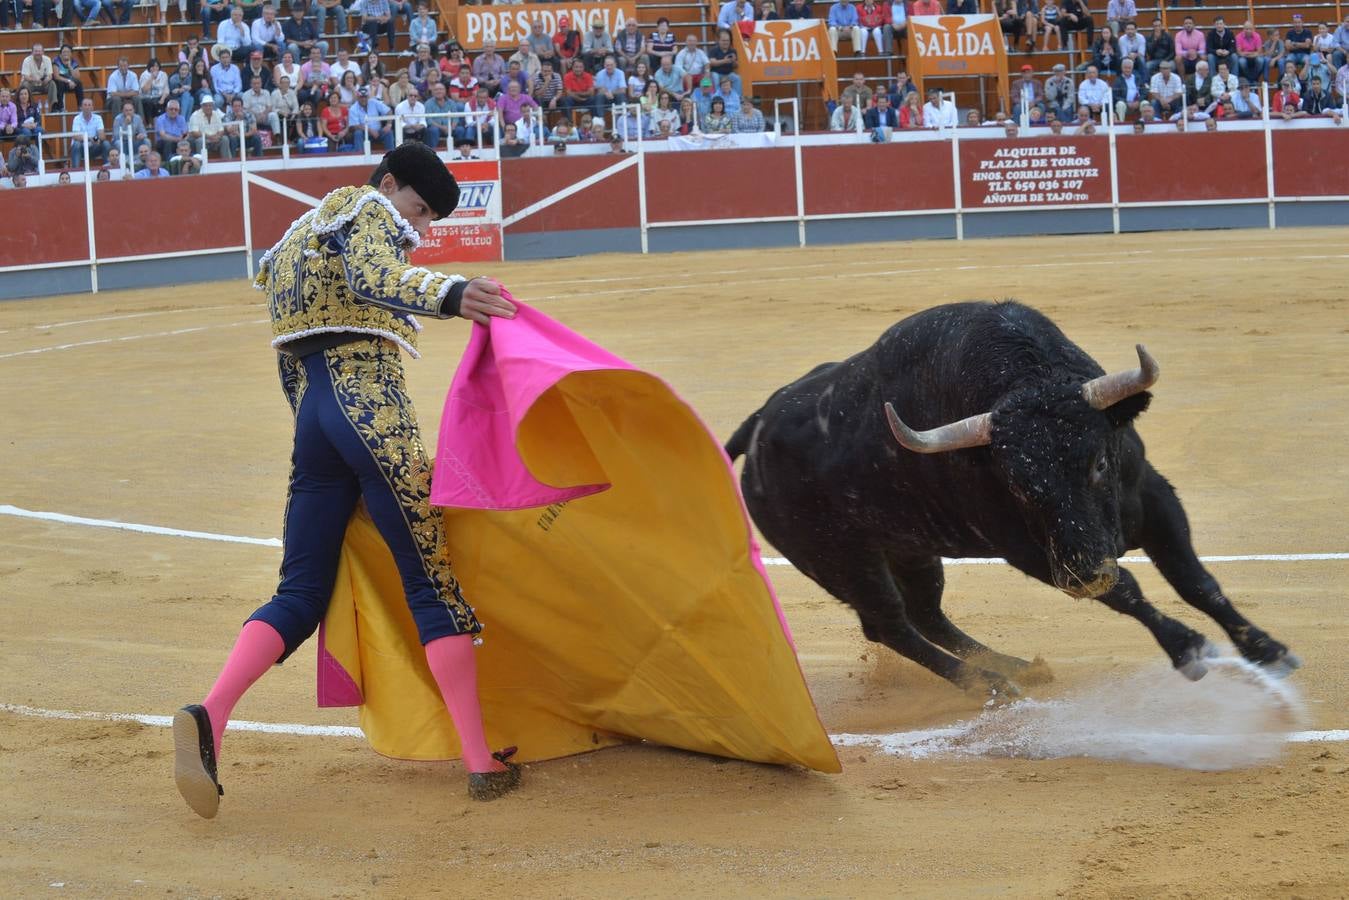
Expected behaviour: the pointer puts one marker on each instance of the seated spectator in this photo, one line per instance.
(903, 86)
(1286, 102)
(717, 121)
(640, 80)
(103, 174)
(1060, 93)
(122, 86)
(1161, 47)
(843, 20)
(665, 111)
(9, 115)
(245, 130)
(567, 41)
(748, 119)
(376, 19)
(1119, 13)
(1246, 105)
(660, 42)
(335, 123)
(315, 79)
(412, 113)
(1166, 91)
(1340, 42)
(1133, 45)
(882, 120)
(670, 77)
(255, 68)
(300, 36)
(306, 130)
(1315, 67)
(226, 78)
(1093, 93)
(797, 9)
(1130, 92)
(1222, 46)
(861, 93)
(723, 60)
(547, 89)
(1026, 93)
(335, 8)
(579, 88)
(268, 35)
(423, 29)
(730, 100)
(511, 106)
(286, 104)
(464, 87)
(631, 47)
(23, 158)
(611, 86)
(128, 130)
(688, 116)
(192, 50)
(1200, 85)
(213, 12)
(235, 36)
(528, 62)
(170, 128)
(64, 177)
(911, 113)
(201, 83)
(1317, 101)
(369, 119)
(692, 61)
(66, 74)
(1223, 85)
(440, 109)
(846, 116)
(1291, 73)
(1105, 53)
(29, 113)
(735, 14)
(938, 112)
(489, 69)
(1074, 17)
(258, 102)
(511, 145)
(1298, 41)
(702, 98)
(154, 167)
(208, 125)
(874, 20)
(1049, 24)
(343, 65)
(1251, 61)
(596, 46)
(563, 133)
(1191, 47)
(1275, 53)
(481, 112)
(349, 88)
(180, 89)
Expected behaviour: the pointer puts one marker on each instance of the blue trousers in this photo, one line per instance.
(356, 438)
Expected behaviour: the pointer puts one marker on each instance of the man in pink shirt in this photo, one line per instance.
(1252, 65)
(1191, 46)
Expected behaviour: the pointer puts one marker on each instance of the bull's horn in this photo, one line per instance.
(975, 431)
(1108, 390)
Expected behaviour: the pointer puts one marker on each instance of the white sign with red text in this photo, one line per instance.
(473, 232)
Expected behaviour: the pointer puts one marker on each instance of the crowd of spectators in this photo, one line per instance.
(255, 79)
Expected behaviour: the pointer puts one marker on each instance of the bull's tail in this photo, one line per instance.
(739, 441)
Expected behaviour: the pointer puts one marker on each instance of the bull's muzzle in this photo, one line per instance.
(1101, 580)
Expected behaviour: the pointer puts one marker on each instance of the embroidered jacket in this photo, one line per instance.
(343, 267)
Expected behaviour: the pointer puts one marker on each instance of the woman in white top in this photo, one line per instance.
(348, 87)
(665, 112)
(154, 90)
(639, 79)
(288, 68)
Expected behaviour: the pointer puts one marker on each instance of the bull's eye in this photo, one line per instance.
(1099, 470)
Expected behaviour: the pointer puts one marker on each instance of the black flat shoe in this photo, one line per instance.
(491, 785)
(194, 767)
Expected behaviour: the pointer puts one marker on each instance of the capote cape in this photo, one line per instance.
(597, 528)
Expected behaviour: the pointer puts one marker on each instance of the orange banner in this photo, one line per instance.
(788, 50)
(507, 25)
(956, 46)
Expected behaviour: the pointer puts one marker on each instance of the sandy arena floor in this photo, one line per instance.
(163, 407)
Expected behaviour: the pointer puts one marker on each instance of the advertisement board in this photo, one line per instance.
(1055, 171)
(945, 46)
(788, 50)
(507, 25)
(473, 232)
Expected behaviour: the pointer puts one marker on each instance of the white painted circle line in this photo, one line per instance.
(63, 518)
(1337, 735)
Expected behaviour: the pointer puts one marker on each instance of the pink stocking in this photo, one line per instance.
(258, 647)
(456, 672)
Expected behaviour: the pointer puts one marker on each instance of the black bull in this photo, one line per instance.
(1031, 455)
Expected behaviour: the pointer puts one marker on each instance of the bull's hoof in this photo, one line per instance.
(994, 688)
(1285, 665)
(1191, 663)
(1037, 671)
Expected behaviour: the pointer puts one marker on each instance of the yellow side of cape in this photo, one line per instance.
(632, 614)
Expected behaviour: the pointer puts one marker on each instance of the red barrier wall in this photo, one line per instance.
(1198, 166)
(717, 184)
(135, 218)
(47, 225)
(877, 177)
(609, 203)
(1311, 163)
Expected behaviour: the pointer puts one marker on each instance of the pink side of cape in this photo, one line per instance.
(507, 366)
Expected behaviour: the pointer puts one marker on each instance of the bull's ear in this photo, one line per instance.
(1128, 409)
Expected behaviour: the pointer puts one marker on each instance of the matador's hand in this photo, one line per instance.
(482, 299)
